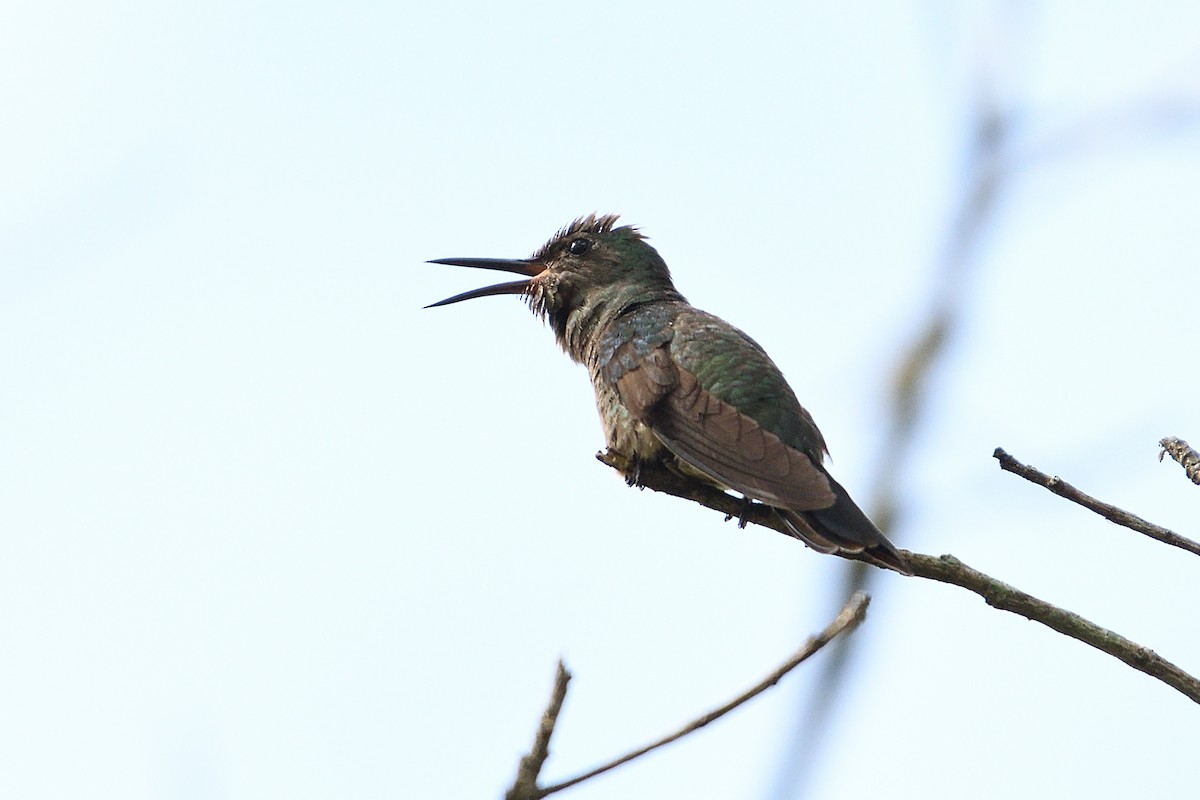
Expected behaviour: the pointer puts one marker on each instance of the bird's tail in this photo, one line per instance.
(843, 526)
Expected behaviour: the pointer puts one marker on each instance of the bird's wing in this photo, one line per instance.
(714, 437)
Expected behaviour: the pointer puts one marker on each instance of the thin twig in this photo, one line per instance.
(946, 569)
(525, 784)
(1110, 512)
(1182, 452)
(847, 619)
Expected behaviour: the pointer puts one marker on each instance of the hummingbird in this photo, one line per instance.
(678, 386)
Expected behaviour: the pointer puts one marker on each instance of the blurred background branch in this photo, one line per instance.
(986, 174)
(995, 159)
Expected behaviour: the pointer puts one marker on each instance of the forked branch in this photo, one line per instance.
(525, 786)
(945, 569)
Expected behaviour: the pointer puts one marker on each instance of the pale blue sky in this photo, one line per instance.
(269, 529)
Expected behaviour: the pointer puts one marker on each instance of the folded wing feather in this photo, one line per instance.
(715, 438)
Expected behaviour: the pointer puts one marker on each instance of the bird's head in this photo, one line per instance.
(589, 264)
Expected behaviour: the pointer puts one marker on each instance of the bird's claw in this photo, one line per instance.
(630, 467)
(744, 514)
(633, 475)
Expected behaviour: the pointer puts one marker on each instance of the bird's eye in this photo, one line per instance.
(579, 247)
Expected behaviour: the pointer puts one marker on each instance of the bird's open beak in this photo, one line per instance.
(523, 266)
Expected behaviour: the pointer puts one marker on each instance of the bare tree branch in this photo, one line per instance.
(525, 784)
(1182, 452)
(997, 594)
(945, 569)
(1110, 512)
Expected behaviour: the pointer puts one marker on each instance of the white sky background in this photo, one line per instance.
(269, 529)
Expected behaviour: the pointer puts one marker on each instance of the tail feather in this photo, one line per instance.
(844, 526)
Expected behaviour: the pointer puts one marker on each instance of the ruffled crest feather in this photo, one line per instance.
(593, 223)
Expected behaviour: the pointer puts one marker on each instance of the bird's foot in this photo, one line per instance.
(633, 474)
(630, 467)
(742, 516)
